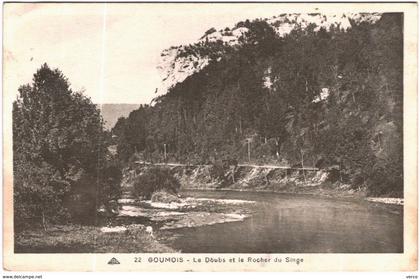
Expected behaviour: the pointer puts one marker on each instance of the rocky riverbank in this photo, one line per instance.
(263, 179)
(254, 178)
(166, 211)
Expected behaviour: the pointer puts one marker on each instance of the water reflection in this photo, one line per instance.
(297, 224)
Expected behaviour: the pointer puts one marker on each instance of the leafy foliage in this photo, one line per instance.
(57, 141)
(155, 179)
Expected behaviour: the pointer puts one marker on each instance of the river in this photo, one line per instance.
(291, 223)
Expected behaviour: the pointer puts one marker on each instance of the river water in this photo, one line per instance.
(290, 223)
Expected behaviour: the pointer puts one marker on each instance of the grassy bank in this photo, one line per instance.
(87, 239)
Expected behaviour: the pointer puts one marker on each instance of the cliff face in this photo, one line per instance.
(178, 63)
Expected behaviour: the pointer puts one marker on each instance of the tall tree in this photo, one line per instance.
(57, 140)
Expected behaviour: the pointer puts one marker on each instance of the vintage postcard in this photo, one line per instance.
(210, 136)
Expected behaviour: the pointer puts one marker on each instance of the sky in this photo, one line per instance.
(110, 51)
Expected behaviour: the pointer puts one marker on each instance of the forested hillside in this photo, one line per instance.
(320, 96)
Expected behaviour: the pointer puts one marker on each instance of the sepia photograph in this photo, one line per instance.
(265, 130)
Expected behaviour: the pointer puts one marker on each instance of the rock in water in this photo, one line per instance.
(165, 197)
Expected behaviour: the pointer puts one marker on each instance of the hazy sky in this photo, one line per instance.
(109, 50)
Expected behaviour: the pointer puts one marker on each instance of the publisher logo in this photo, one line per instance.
(113, 261)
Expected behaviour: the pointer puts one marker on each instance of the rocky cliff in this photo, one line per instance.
(179, 62)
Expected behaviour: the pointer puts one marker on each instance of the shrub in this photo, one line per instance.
(155, 179)
(386, 178)
(217, 170)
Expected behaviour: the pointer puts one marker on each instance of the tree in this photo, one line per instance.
(58, 138)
